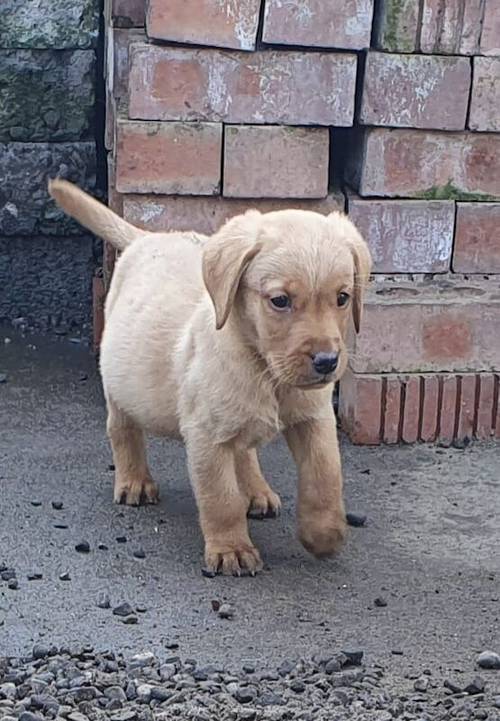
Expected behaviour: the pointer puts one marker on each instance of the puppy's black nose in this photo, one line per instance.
(325, 362)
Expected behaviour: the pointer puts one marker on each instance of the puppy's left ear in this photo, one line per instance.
(226, 255)
(362, 269)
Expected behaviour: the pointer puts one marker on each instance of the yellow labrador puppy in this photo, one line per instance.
(225, 341)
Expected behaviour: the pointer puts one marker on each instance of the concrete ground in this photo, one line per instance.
(430, 548)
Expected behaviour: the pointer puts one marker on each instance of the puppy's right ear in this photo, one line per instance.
(226, 255)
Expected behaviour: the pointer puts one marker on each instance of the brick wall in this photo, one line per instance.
(388, 109)
(48, 73)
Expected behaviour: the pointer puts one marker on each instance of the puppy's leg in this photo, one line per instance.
(133, 482)
(222, 507)
(263, 502)
(320, 513)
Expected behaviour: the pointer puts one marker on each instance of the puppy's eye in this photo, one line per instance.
(281, 302)
(343, 299)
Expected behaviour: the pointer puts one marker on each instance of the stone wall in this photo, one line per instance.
(48, 123)
(388, 109)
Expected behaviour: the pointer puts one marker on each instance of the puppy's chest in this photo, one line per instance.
(259, 430)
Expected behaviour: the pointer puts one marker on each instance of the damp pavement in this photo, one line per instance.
(416, 589)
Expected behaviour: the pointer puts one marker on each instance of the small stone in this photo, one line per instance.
(144, 692)
(13, 584)
(102, 547)
(28, 716)
(226, 611)
(36, 503)
(160, 694)
(356, 520)
(269, 698)
(111, 466)
(248, 668)
(452, 686)
(57, 505)
(124, 609)
(64, 576)
(247, 714)
(215, 605)
(285, 668)
(488, 659)
(481, 713)
(141, 609)
(332, 666)
(476, 686)
(141, 660)
(63, 526)
(130, 620)
(421, 684)
(354, 656)
(3, 377)
(380, 602)
(83, 547)
(139, 552)
(298, 686)
(172, 646)
(121, 539)
(103, 600)
(7, 574)
(35, 576)
(496, 702)
(77, 716)
(245, 694)
(40, 650)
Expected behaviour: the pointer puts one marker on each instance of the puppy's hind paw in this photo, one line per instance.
(266, 504)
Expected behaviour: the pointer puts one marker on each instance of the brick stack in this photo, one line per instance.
(215, 107)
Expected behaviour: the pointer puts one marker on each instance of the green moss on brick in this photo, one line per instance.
(451, 192)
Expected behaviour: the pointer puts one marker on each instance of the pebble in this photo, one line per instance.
(13, 584)
(35, 576)
(354, 656)
(57, 505)
(103, 600)
(28, 716)
(139, 552)
(245, 694)
(452, 686)
(124, 609)
(332, 666)
(3, 377)
(356, 520)
(421, 684)
(380, 602)
(121, 539)
(102, 547)
(40, 650)
(298, 686)
(64, 576)
(488, 659)
(226, 611)
(36, 503)
(83, 547)
(476, 686)
(130, 620)
(269, 698)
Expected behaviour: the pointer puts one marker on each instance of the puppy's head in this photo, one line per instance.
(292, 279)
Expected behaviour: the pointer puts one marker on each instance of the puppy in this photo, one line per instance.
(225, 341)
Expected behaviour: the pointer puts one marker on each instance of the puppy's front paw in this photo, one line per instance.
(232, 559)
(265, 504)
(135, 492)
(323, 534)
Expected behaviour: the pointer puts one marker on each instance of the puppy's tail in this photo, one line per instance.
(94, 215)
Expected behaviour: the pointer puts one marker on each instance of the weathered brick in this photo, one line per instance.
(25, 205)
(396, 25)
(294, 88)
(391, 402)
(128, 13)
(451, 26)
(172, 158)
(485, 422)
(411, 411)
(425, 164)
(485, 98)
(447, 415)
(207, 214)
(46, 95)
(118, 61)
(430, 407)
(360, 398)
(466, 406)
(229, 24)
(251, 150)
(477, 238)
(406, 236)
(490, 35)
(415, 326)
(336, 24)
(56, 24)
(415, 91)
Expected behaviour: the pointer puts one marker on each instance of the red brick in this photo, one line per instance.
(451, 26)
(227, 24)
(392, 408)
(418, 163)
(168, 158)
(206, 215)
(121, 44)
(250, 151)
(497, 410)
(294, 88)
(415, 91)
(128, 13)
(485, 99)
(360, 407)
(396, 25)
(490, 35)
(448, 408)
(466, 406)
(411, 411)
(316, 23)
(406, 236)
(430, 403)
(477, 238)
(411, 327)
(484, 427)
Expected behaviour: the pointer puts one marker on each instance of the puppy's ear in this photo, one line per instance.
(346, 230)
(226, 255)
(362, 269)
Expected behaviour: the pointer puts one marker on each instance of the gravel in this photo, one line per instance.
(488, 659)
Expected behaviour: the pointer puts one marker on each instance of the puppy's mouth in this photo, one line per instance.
(319, 382)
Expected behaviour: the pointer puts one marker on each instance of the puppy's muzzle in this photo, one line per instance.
(325, 363)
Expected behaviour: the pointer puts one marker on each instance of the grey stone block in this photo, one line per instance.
(57, 24)
(47, 281)
(25, 168)
(46, 95)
